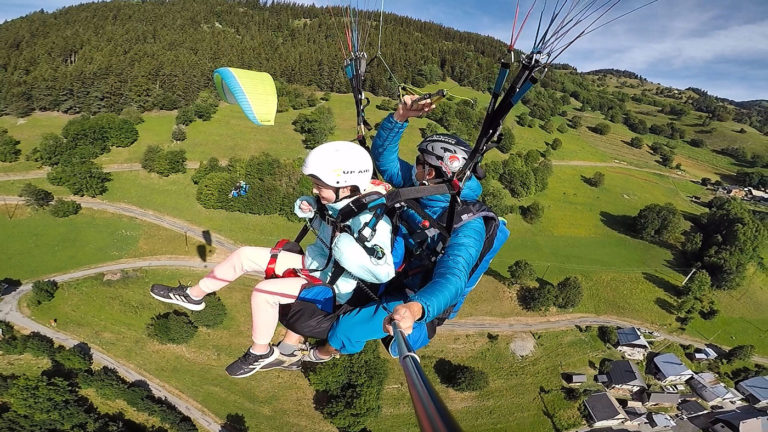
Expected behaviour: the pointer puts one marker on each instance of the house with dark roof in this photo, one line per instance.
(604, 410)
(755, 390)
(623, 375)
(702, 354)
(711, 390)
(670, 369)
(743, 419)
(632, 344)
(690, 408)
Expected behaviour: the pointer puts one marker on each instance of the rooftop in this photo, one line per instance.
(603, 406)
(757, 387)
(670, 365)
(624, 372)
(631, 336)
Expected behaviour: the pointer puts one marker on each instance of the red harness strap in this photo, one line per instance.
(269, 271)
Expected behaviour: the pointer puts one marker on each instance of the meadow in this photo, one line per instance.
(121, 309)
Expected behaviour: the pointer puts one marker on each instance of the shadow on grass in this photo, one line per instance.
(496, 275)
(235, 422)
(662, 283)
(666, 305)
(622, 224)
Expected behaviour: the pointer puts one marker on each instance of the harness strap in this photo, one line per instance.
(269, 271)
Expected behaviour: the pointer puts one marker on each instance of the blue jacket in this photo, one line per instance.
(452, 269)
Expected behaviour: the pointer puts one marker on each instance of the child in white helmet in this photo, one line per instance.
(339, 171)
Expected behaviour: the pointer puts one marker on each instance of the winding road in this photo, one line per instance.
(9, 309)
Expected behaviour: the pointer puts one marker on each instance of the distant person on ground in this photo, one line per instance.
(435, 275)
(339, 171)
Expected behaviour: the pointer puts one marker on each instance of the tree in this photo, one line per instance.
(35, 197)
(75, 359)
(517, 177)
(51, 150)
(172, 328)
(185, 116)
(132, 114)
(569, 293)
(213, 315)
(533, 212)
(576, 121)
(667, 158)
(9, 147)
(537, 298)
(731, 239)
(597, 179)
(43, 291)
(556, 144)
(507, 141)
(521, 272)
(740, 353)
(316, 126)
(460, 377)
(608, 334)
(62, 208)
(496, 197)
(548, 126)
(351, 386)
(179, 133)
(562, 128)
(37, 403)
(602, 128)
(429, 129)
(81, 178)
(696, 295)
(656, 222)
(697, 142)
(636, 142)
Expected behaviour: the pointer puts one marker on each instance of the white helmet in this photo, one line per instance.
(339, 164)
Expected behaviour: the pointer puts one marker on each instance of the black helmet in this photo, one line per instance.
(444, 151)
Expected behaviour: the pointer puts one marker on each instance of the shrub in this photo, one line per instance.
(556, 144)
(562, 128)
(84, 177)
(213, 315)
(697, 142)
(9, 147)
(132, 114)
(179, 133)
(532, 213)
(39, 345)
(656, 222)
(521, 272)
(62, 208)
(602, 128)
(536, 298)
(636, 142)
(185, 116)
(597, 179)
(507, 140)
(172, 328)
(460, 377)
(316, 126)
(569, 293)
(608, 334)
(35, 197)
(43, 291)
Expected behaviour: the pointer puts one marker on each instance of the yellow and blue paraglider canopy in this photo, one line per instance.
(253, 91)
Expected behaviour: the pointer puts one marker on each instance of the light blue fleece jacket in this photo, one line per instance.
(346, 251)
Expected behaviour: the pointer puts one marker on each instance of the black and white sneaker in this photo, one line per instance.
(176, 295)
(290, 362)
(249, 363)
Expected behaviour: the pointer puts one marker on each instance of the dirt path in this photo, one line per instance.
(619, 165)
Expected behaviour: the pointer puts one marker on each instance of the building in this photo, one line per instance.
(623, 375)
(701, 354)
(670, 369)
(755, 390)
(710, 390)
(746, 419)
(691, 408)
(660, 421)
(632, 344)
(573, 378)
(604, 410)
(663, 399)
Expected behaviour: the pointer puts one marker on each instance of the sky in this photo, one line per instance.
(720, 46)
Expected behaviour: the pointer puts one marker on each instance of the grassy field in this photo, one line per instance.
(28, 131)
(120, 310)
(25, 364)
(37, 244)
